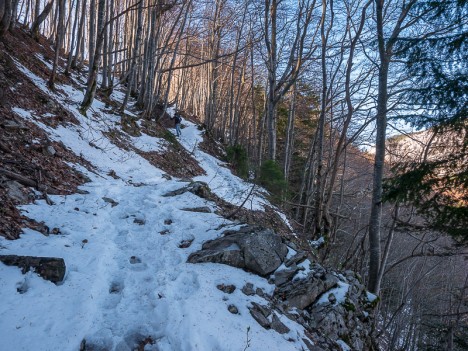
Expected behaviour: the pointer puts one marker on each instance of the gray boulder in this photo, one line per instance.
(258, 250)
(302, 293)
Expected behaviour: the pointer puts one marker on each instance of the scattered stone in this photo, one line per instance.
(260, 318)
(139, 221)
(332, 298)
(164, 232)
(311, 346)
(260, 292)
(198, 188)
(168, 221)
(302, 293)
(284, 276)
(55, 231)
(228, 289)
(233, 309)
(49, 268)
(185, 243)
(265, 310)
(16, 191)
(49, 150)
(110, 201)
(84, 242)
(113, 174)
(279, 326)
(10, 124)
(248, 289)
(296, 259)
(41, 227)
(204, 209)
(166, 176)
(134, 260)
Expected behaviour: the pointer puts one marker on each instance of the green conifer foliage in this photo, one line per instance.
(437, 65)
(272, 178)
(237, 156)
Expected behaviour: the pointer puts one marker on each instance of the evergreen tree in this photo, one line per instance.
(437, 65)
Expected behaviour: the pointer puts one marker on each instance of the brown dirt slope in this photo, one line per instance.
(28, 158)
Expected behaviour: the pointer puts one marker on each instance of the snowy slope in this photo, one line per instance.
(126, 280)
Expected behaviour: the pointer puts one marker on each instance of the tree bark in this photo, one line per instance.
(6, 18)
(58, 41)
(40, 18)
(91, 83)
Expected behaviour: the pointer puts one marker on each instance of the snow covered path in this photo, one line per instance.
(127, 277)
(218, 175)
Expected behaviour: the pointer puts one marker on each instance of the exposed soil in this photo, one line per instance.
(26, 152)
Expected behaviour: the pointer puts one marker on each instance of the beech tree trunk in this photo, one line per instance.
(40, 18)
(58, 41)
(91, 83)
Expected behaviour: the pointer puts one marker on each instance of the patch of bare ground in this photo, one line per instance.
(28, 158)
(17, 90)
(212, 147)
(174, 160)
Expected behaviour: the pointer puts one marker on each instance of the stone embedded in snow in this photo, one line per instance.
(265, 310)
(186, 243)
(302, 293)
(284, 276)
(228, 289)
(110, 201)
(139, 221)
(233, 309)
(198, 188)
(259, 317)
(264, 251)
(49, 268)
(296, 259)
(203, 209)
(277, 325)
(256, 249)
(248, 290)
(259, 292)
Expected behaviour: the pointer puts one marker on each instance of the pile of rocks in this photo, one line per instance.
(334, 308)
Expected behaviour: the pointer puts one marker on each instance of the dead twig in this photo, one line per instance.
(232, 214)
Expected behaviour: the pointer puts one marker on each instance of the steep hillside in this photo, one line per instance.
(135, 240)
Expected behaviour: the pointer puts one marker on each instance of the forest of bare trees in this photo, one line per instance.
(301, 89)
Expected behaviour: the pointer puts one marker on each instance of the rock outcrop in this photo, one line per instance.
(255, 249)
(333, 307)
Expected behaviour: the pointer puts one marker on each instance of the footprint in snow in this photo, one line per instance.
(116, 287)
(115, 294)
(136, 264)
